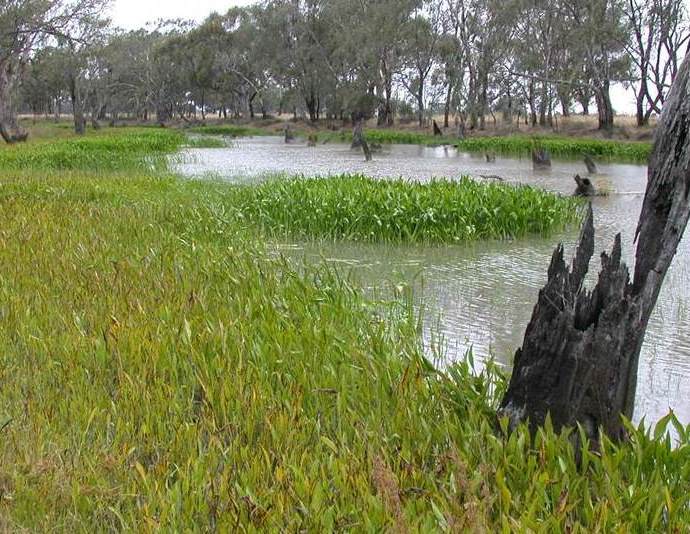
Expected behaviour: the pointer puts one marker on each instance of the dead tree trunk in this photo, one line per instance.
(541, 159)
(358, 139)
(437, 130)
(591, 166)
(580, 354)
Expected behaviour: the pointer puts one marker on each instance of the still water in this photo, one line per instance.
(481, 295)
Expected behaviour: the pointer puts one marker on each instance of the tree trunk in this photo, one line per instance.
(604, 107)
(77, 107)
(10, 130)
(579, 358)
(446, 109)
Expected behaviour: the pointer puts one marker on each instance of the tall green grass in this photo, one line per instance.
(160, 371)
(624, 151)
(365, 209)
(109, 150)
(230, 131)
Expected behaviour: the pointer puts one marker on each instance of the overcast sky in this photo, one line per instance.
(133, 14)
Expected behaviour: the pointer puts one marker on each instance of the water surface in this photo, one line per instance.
(481, 295)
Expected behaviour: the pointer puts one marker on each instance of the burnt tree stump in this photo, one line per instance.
(580, 354)
(585, 187)
(358, 139)
(289, 135)
(591, 166)
(541, 159)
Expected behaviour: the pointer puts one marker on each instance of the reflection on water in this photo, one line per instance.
(481, 295)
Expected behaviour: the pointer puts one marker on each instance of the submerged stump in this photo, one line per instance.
(584, 188)
(591, 166)
(579, 358)
(541, 159)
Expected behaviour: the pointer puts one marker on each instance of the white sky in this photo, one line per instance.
(134, 14)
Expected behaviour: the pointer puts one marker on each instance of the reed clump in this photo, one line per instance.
(359, 208)
(109, 150)
(623, 151)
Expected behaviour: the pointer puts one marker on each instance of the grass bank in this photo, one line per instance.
(365, 209)
(159, 370)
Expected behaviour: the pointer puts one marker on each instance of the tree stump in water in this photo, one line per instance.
(591, 166)
(358, 139)
(585, 187)
(541, 159)
(579, 358)
(490, 157)
(437, 130)
(289, 136)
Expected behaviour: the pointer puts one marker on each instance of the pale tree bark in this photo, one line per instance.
(10, 130)
(579, 359)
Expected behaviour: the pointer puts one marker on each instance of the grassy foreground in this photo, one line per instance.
(365, 209)
(159, 370)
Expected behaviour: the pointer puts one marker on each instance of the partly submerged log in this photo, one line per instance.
(591, 166)
(359, 140)
(289, 135)
(437, 130)
(585, 187)
(579, 358)
(541, 159)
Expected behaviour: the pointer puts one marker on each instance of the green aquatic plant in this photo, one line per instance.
(160, 369)
(230, 131)
(365, 209)
(635, 152)
(133, 149)
(204, 141)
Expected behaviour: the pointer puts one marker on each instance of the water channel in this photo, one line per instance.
(481, 295)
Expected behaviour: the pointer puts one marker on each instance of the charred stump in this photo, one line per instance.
(541, 159)
(579, 358)
(289, 135)
(585, 187)
(359, 140)
(591, 166)
(437, 130)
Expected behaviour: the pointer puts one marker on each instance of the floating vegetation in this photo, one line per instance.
(205, 141)
(103, 151)
(230, 131)
(634, 152)
(365, 209)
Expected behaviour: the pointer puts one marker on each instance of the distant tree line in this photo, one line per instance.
(528, 60)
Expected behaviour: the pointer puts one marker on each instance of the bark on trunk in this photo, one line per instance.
(579, 358)
(77, 108)
(10, 130)
(604, 107)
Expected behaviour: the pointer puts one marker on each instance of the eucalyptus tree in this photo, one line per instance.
(658, 32)
(24, 26)
(420, 51)
(597, 33)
